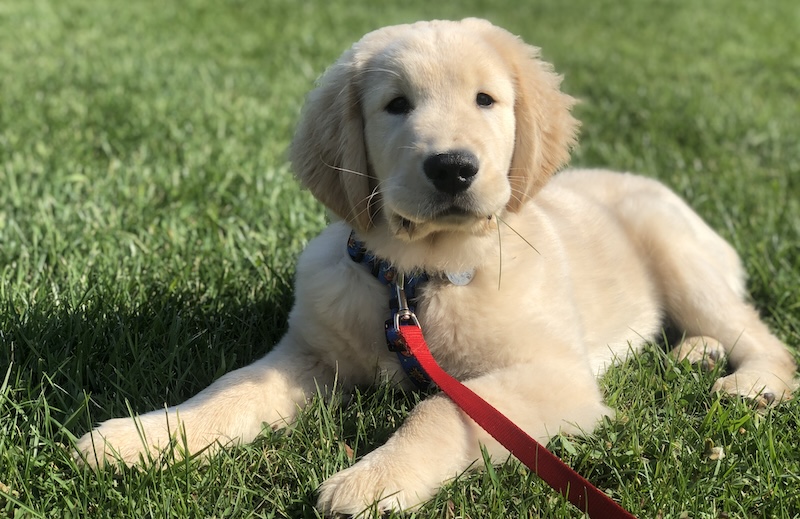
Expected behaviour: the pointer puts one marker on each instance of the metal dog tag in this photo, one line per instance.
(461, 278)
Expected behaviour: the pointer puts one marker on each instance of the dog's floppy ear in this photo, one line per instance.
(545, 128)
(328, 154)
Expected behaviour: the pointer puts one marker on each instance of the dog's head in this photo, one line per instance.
(435, 126)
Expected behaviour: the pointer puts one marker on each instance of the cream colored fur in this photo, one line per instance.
(573, 272)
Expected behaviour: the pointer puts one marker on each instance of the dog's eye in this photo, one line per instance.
(484, 99)
(399, 106)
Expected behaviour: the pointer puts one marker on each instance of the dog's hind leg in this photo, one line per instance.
(702, 283)
(762, 368)
(699, 349)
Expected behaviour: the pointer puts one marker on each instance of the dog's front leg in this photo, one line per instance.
(231, 410)
(438, 441)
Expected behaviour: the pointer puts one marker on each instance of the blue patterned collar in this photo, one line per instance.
(402, 305)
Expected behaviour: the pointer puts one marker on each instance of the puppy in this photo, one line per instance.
(435, 145)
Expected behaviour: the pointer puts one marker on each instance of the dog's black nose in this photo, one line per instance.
(451, 172)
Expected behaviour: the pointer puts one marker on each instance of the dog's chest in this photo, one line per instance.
(465, 331)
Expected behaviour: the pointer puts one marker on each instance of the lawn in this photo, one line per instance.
(149, 225)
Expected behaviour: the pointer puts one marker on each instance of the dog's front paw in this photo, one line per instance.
(377, 483)
(121, 439)
(764, 389)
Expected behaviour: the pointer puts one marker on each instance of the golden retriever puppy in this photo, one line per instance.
(435, 144)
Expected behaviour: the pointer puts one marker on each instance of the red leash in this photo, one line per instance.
(542, 462)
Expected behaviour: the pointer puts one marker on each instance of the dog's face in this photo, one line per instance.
(439, 133)
(433, 127)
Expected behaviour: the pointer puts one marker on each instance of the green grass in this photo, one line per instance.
(149, 225)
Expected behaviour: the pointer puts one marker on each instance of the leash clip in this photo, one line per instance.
(404, 313)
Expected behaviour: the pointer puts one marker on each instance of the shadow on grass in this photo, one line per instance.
(99, 355)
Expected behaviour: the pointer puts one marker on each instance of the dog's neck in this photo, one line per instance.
(442, 252)
(385, 270)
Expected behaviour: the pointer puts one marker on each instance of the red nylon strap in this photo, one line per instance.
(542, 462)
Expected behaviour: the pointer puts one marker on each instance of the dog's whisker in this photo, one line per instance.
(369, 205)
(381, 69)
(517, 195)
(371, 201)
(374, 204)
(345, 170)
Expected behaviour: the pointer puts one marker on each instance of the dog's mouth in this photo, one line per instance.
(455, 213)
(450, 219)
